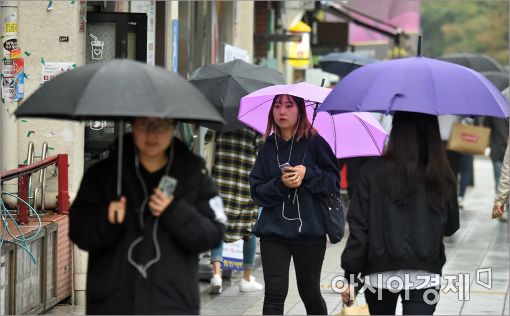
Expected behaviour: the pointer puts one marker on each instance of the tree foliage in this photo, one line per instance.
(465, 26)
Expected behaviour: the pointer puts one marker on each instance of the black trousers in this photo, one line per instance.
(415, 305)
(308, 265)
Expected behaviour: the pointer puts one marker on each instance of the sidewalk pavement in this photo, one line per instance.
(480, 243)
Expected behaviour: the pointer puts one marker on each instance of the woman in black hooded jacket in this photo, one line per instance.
(143, 248)
(291, 223)
(402, 207)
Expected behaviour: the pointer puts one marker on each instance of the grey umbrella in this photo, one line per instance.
(118, 90)
(498, 78)
(474, 61)
(225, 84)
(343, 63)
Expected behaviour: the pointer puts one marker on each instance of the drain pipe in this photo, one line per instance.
(8, 126)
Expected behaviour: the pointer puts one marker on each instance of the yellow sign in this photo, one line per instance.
(298, 53)
(11, 27)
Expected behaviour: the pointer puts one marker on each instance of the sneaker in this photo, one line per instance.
(215, 284)
(251, 286)
(461, 202)
(504, 218)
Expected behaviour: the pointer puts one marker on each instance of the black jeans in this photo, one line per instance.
(415, 305)
(308, 260)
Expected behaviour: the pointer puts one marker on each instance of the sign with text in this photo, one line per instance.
(50, 70)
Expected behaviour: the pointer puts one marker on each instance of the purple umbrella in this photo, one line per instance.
(416, 84)
(348, 134)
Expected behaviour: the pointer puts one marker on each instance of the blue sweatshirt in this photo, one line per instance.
(301, 211)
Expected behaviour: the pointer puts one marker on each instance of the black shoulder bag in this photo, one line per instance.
(331, 205)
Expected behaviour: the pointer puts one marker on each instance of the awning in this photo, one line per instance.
(362, 19)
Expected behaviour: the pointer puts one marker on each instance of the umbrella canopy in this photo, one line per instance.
(474, 61)
(225, 84)
(416, 84)
(498, 78)
(116, 90)
(255, 106)
(343, 63)
(349, 134)
(119, 89)
(354, 134)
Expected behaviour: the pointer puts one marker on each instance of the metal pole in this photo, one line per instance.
(119, 158)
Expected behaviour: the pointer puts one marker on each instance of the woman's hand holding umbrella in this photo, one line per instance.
(117, 211)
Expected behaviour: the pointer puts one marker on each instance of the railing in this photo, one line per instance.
(23, 172)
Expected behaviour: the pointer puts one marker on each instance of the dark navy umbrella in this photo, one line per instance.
(119, 90)
(225, 84)
(343, 63)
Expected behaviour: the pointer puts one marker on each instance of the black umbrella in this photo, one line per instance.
(343, 63)
(474, 61)
(498, 78)
(225, 84)
(118, 90)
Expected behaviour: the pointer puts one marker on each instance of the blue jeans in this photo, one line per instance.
(497, 165)
(249, 248)
(465, 173)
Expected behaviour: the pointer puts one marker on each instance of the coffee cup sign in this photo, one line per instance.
(97, 48)
(97, 125)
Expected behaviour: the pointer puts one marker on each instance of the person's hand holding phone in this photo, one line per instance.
(293, 176)
(163, 195)
(291, 179)
(117, 211)
(159, 202)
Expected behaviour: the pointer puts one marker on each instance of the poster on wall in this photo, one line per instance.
(50, 70)
(8, 80)
(19, 78)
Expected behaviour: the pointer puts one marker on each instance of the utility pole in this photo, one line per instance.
(8, 127)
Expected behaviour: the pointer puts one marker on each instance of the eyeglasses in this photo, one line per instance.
(158, 126)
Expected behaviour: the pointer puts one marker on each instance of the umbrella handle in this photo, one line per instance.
(119, 160)
(315, 108)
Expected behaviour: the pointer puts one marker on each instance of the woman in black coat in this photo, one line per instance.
(143, 248)
(287, 188)
(402, 207)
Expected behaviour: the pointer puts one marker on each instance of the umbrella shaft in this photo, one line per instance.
(119, 158)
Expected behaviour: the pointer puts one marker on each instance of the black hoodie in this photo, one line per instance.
(268, 191)
(384, 236)
(189, 226)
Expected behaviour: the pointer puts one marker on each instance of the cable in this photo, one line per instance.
(39, 222)
(17, 240)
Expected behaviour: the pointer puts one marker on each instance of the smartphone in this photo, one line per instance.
(284, 166)
(167, 185)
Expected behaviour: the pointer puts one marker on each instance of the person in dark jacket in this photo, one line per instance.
(285, 183)
(143, 248)
(403, 206)
(498, 142)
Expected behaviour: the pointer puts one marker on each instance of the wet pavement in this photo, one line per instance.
(481, 244)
